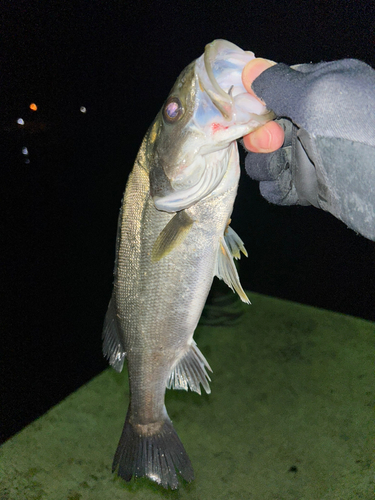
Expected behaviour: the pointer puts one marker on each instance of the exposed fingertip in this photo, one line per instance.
(278, 135)
(252, 70)
(246, 140)
(265, 139)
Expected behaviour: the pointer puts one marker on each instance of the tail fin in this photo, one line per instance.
(154, 451)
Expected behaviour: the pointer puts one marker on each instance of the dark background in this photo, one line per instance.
(59, 203)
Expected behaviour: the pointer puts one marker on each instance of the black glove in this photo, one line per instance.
(327, 111)
(287, 176)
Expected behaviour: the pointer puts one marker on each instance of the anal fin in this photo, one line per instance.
(190, 371)
(113, 348)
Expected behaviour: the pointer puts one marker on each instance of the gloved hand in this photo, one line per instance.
(287, 176)
(327, 111)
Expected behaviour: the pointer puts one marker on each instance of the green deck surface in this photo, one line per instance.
(290, 417)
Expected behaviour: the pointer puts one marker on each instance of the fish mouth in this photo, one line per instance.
(221, 99)
(219, 72)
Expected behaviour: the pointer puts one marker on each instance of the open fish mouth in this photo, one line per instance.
(222, 100)
(219, 72)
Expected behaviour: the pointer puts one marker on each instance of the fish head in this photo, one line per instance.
(207, 109)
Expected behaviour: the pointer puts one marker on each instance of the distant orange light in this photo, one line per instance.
(33, 107)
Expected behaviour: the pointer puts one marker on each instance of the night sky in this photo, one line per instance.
(60, 201)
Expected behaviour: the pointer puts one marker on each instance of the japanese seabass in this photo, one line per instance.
(173, 238)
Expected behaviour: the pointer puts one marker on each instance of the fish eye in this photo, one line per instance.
(173, 110)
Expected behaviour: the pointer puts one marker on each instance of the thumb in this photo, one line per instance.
(252, 70)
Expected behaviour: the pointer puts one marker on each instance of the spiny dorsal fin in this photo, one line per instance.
(234, 242)
(226, 270)
(172, 235)
(113, 348)
(190, 371)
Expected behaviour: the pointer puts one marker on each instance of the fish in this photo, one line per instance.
(173, 237)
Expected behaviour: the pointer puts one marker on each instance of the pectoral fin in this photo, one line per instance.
(226, 270)
(172, 235)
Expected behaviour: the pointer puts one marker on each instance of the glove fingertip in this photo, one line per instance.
(256, 165)
(277, 193)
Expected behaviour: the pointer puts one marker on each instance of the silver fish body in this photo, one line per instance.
(173, 238)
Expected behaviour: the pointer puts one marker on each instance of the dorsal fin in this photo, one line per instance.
(113, 348)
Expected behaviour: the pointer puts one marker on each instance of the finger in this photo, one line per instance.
(252, 70)
(265, 139)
